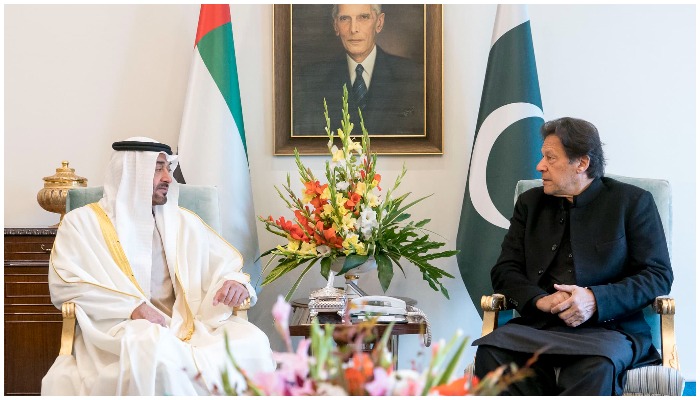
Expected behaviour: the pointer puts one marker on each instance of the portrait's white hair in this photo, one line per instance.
(376, 8)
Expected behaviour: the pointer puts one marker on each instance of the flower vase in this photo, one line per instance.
(352, 290)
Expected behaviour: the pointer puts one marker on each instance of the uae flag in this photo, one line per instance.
(506, 148)
(212, 146)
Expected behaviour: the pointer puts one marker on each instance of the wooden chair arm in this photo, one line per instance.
(666, 308)
(68, 330)
(491, 306)
(242, 310)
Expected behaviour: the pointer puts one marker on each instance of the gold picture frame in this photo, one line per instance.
(428, 142)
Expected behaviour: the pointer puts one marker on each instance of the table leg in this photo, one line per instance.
(395, 350)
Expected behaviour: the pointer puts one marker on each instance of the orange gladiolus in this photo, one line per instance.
(332, 238)
(359, 374)
(318, 204)
(293, 229)
(301, 218)
(298, 234)
(314, 188)
(319, 228)
(352, 201)
(284, 224)
(454, 388)
(378, 178)
(329, 234)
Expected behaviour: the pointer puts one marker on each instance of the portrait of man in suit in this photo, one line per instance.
(388, 88)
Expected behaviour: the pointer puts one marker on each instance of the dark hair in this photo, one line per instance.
(579, 138)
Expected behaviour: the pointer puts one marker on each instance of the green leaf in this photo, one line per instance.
(402, 217)
(325, 267)
(351, 262)
(298, 281)
(285, 265)
(452, 364)
(266, 253)
(385, 271)
(422, 223)
(444, 292)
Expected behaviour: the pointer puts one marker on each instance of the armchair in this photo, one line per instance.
(654, 380)
(202, 200)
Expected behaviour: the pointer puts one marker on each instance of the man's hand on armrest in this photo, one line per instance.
(232, 294)
(143, 311)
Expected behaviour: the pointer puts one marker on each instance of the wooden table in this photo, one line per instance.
(300, 325)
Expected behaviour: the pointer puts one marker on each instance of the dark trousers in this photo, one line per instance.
(578, 375)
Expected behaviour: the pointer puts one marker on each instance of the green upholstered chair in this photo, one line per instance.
(654, 380)
(202, 200)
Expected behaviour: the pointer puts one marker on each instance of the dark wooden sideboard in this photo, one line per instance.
(32, 323)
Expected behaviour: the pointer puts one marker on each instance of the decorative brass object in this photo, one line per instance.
(53, 196)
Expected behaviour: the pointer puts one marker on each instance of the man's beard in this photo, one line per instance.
(157, 199)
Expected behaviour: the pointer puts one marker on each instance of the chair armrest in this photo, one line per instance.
(242, 310)
(666, 308)
(68, 330)
(491, 306)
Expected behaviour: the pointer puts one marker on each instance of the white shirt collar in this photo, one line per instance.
(367, 64)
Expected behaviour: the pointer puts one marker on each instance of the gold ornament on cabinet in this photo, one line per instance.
(53, 196)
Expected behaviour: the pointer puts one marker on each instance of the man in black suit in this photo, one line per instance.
(583, 256)
(388, 89)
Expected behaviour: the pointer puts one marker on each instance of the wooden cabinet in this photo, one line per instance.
(32, 323)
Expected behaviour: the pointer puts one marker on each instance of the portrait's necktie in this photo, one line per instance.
(359, 88)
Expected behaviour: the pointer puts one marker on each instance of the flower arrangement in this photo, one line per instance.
(350, 216)
(342, 370)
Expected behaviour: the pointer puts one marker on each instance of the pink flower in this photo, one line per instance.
(380, 384)
(407, 383)
(294, 366)
(271, 383)
(280, 312)
(306, 389)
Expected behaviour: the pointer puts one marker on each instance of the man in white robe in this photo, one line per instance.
(154, 289)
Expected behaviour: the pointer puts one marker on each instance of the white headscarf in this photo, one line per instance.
(128, 193)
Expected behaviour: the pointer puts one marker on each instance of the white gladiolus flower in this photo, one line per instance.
(366, 223)
(342, 186)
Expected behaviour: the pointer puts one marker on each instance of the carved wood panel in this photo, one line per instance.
(32, 324)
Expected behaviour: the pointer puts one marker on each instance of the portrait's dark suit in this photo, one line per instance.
(619, 252)
(395, 99)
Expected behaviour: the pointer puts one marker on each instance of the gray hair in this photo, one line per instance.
(376, 8)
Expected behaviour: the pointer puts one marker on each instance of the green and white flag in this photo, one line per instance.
(506, 148)
(212, 146)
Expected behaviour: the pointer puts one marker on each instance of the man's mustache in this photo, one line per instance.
(162, 186)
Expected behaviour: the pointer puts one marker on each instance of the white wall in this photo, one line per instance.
(79, 77)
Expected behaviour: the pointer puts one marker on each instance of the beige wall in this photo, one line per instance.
(79, 77)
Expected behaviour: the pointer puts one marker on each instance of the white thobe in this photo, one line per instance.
(115, 355)
(162, 291)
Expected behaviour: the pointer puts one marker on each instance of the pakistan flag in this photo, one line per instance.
(506, 148)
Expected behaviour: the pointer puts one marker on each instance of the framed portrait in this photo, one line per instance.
(389, 58)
